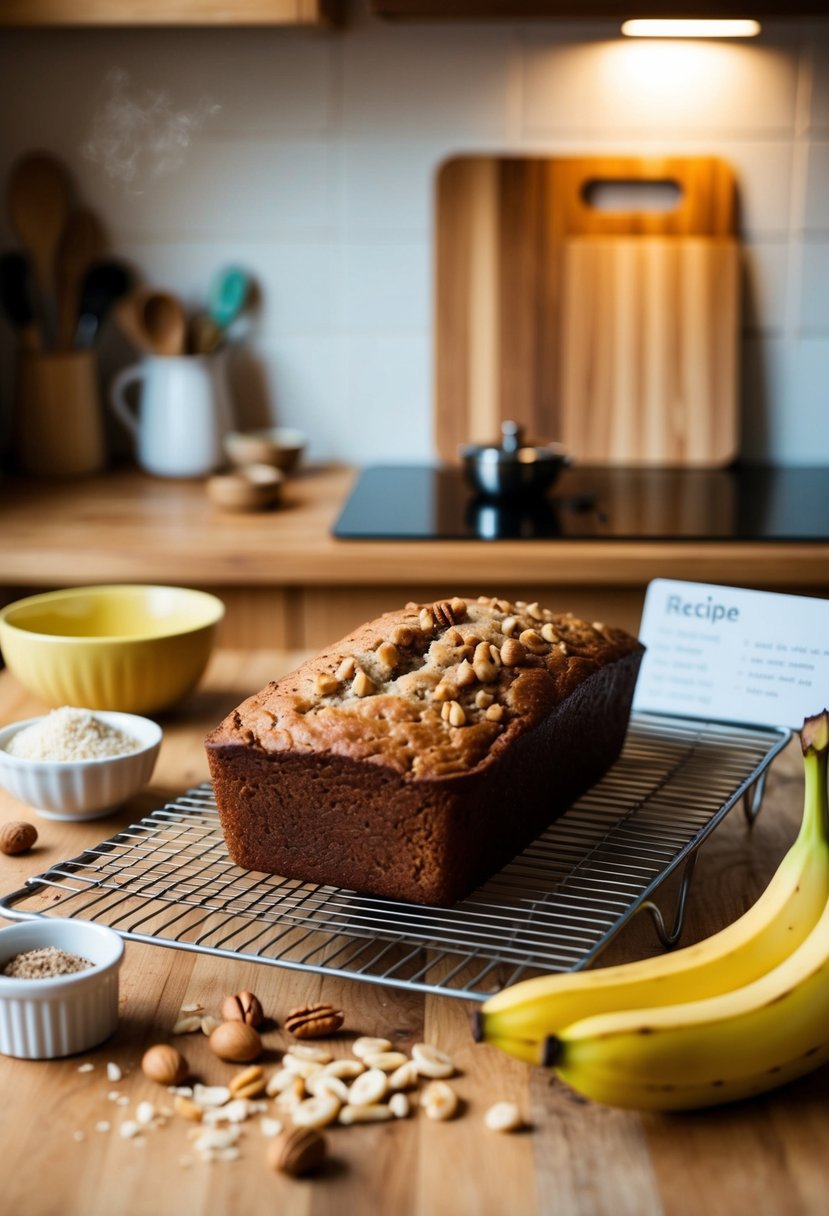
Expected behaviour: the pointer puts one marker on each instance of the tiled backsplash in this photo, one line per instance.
(316, 172)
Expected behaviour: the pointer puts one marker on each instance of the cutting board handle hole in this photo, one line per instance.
(632, 194)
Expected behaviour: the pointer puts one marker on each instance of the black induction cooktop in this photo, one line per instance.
(748, 503)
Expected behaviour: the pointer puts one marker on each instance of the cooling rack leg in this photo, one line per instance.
(670, 939)
(753, 798)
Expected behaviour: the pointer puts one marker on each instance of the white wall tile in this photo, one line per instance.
(819, 62)
(816, 216)
(655, 86)
(389, 389)
(298, 382)
(386, 287)
(765, 287)
(814, 299)
(785, 409)
(403, 80)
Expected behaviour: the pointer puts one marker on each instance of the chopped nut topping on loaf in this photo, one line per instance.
(429, 690)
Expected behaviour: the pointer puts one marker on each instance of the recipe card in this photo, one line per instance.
(733, 655)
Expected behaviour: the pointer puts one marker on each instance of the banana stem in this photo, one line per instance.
(814, 739)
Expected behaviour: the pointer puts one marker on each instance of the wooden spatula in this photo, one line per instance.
(38, 200)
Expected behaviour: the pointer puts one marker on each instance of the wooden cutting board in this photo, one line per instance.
(614, 332)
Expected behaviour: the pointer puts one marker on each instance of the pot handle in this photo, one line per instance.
(118, 396)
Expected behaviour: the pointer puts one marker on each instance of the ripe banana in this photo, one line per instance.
(704, 1053)
(520, 1017)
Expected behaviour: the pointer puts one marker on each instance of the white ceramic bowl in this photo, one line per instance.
(81, 789)
(45, 1018)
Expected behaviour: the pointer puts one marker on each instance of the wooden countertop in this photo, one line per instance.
(125, 525)
(766, 1156)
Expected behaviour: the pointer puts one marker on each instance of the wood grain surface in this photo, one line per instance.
(765, 1157)
(611, 331)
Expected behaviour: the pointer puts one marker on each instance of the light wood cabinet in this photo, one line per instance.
(168, 12)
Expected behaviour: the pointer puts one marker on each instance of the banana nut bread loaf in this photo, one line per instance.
(418, 755)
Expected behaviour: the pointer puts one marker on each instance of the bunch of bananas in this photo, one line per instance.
(737, 1014)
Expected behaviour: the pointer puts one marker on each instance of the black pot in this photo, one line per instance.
(515, 469)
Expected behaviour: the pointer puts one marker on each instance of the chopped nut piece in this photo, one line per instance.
(187, 1025)
(248, 1083)
(210, 1095)
(346, 669)
(347, 1068)
(399, 1105)
(457, 717)
(503, 1117)
(548, 633)
(361, 685)
(235, 1111)
(444, 692)
(299, 1067)
(453, 636)
(513, 653)
(305, 1051)
(128, 1129)
(87, 1067)
(209, 1024)
(374, 1113)
(191, 1007)
(533, 641)
(404, 1077)
(279, 1082)
(144, 1113)
(466, 674)
(483, 699)
(495, 713)
(314, 1021)
(427, 621)
(535, 611)
(388, 655)
(486, 671)
(113, 1071)
(368, 1088)
(270, 1127)
(431, 1061)
(439, 1100)
(509, 626)
(365, 1045)
(318, 1111)
(402, 636)
(319, 1083)
(326, 685)
(187, 1109)
(387, 1061)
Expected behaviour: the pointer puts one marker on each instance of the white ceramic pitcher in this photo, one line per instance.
(183, 412)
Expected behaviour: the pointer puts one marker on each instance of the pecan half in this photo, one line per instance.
(444, 614)
(313, 1021)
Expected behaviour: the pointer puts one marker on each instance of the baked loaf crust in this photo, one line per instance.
(418, 755)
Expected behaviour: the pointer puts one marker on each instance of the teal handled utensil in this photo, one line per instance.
(228, 295)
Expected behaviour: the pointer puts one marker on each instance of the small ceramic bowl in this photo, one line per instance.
(250, 487)
(81, 789)
(45, 1018)
(125, 646)
(274, 445)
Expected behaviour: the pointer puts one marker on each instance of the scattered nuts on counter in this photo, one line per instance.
(187, 1024)
(431, 1062)
(439, 1100)
(243, 1007)
(17, 837)
(366, 1046)
(164, 1065)
(503, 1117)
(314, 1021)
(249, 1083)
(187, 1108)
(236, 1042)
(297, 1152)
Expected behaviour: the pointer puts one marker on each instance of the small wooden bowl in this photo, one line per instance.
(250, 487)
(275, 445)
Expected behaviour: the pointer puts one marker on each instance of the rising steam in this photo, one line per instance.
(137, 139)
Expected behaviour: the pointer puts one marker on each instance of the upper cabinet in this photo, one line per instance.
(580, 10)
(168, 12)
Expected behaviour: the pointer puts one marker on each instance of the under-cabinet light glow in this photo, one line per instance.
(653, 27)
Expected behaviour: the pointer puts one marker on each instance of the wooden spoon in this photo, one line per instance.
(153, 321)
(165, 323)
(83, 243)
(38, 200)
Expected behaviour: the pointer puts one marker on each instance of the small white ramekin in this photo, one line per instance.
(81, 789)
(46, 1018)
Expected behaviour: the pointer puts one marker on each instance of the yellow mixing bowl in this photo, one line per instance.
(124, 647)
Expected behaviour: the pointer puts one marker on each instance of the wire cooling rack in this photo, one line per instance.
(168, 879)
